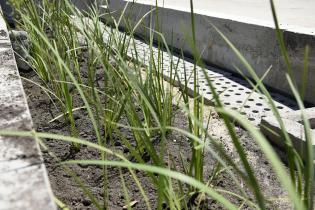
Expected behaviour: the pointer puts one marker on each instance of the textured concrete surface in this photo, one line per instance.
(247, 24)
(84, 5)
(291, 13)
(293, 123)
(23, 179)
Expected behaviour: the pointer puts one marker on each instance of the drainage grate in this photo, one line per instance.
(234, 92)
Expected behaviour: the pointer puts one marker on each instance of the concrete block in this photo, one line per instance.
(293, 123)
(23, 178)
(25, 188)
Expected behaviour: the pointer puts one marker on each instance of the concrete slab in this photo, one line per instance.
(248, 24)
(270, 127)
(23, 178)
(291, 13)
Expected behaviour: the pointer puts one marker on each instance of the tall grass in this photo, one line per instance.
(60, 34)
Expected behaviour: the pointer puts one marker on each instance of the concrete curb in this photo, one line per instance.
(270, 127)
(256, 42)
(24, 182)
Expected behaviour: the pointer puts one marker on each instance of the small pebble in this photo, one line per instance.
(126, 150)
(86, 202)
(117, 144)
(66, 175)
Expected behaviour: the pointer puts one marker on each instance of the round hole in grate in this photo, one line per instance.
(250, 99)
(224, 87)
(248, 92)
(258, 104)
(280, 107)
(218, 83)
(238, 94)
(239, 102)
(251, 119)
(243, 113)
(230, 90)
(267, 109)
(191, 82)
(227, 95)
(255, 111)
(227, 103)
(221, 79)
(209, 93)
(261, 97)
(234, 85)
(227, 82)
(234, 108)
(241, 88)
(246, 106)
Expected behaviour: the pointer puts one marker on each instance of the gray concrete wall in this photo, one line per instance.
(256, 42)
(84, 5)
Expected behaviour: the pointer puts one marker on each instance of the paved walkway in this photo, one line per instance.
(293, 15)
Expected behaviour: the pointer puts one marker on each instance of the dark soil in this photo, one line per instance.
(68, 191)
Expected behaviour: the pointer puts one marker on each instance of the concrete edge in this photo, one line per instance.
(243, 19)
(271, 128)
(24, 182)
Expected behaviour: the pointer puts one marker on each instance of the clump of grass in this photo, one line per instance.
(57, 31)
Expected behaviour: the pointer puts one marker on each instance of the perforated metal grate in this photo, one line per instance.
(234, 92)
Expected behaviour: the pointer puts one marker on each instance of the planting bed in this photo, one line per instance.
(68, 191)
(125, 124)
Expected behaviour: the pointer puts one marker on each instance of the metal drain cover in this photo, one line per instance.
(233, 91)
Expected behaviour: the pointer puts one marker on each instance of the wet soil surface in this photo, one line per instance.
(69, 192)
